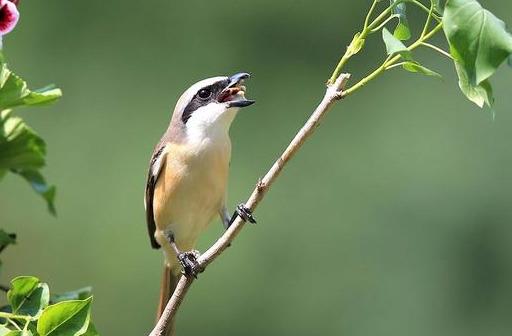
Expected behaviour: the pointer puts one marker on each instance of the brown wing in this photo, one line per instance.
(155, 167)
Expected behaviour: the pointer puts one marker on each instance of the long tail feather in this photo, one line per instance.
(169, 282)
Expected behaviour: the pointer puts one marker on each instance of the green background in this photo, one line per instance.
(395, 219)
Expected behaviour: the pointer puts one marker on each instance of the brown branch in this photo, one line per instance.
(333, 93)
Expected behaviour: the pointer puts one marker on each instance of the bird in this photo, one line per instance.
(188, 174)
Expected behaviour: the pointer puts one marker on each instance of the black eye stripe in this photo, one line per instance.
(197, 102)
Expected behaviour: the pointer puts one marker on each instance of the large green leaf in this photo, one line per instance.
(22, 151)
(20, 146)
(394, 46)
(67, 318)
(28, 296)
(14, 91)
(479, 44)
(481, 94)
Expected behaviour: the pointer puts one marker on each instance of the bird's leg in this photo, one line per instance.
(187, 259)
(244, 212)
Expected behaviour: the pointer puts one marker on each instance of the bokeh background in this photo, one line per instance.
(395, 219)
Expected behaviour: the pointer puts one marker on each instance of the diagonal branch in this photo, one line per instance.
(333, 93)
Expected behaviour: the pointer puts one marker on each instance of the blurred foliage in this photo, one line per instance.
(22, 150)
(404, 198)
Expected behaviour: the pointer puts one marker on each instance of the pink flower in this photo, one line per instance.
(9, 16)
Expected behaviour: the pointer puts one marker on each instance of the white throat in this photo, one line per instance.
(209, 125)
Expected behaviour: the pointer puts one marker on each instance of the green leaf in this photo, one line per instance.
(21, 288)
(4, 330)
(20, 146)
(67, 318)
(91, 330)
(402, 30)
(22, 151)
(438, 7)
(27, 298)
(480, 94)
(14, 92)
(418, 68)
(18, 333)
(42, 96)
(36, 302)
(479, 41)
(78, 294)
(4, 74)
(6, 239)
(394, 46)
(509, 61)
(40, 186)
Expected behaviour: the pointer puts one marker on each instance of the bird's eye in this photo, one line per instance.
(204, 93)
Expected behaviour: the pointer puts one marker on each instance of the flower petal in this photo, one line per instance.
(9, 16)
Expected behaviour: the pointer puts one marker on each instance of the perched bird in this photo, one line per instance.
(188, 173)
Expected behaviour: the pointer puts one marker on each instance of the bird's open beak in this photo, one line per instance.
(234, 93)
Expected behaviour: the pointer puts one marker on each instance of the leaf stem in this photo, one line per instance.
(425, 8)
(380, 17)
(344, 59)
(427, 21)
(379, 27)
(395, 65)
(14, 316)
(439, 50)
(370, 12)
(14, 324)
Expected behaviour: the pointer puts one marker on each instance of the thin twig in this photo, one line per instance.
(333, 93)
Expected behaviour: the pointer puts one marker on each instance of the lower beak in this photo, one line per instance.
(241, 103)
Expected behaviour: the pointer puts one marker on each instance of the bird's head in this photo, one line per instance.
(209, 106)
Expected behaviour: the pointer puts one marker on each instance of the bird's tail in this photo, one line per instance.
(169, 281)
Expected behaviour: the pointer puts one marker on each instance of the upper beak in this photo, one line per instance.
(236, 90)
(238, 78)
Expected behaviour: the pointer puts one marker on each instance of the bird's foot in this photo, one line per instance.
(245, 213)
(188, 261)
